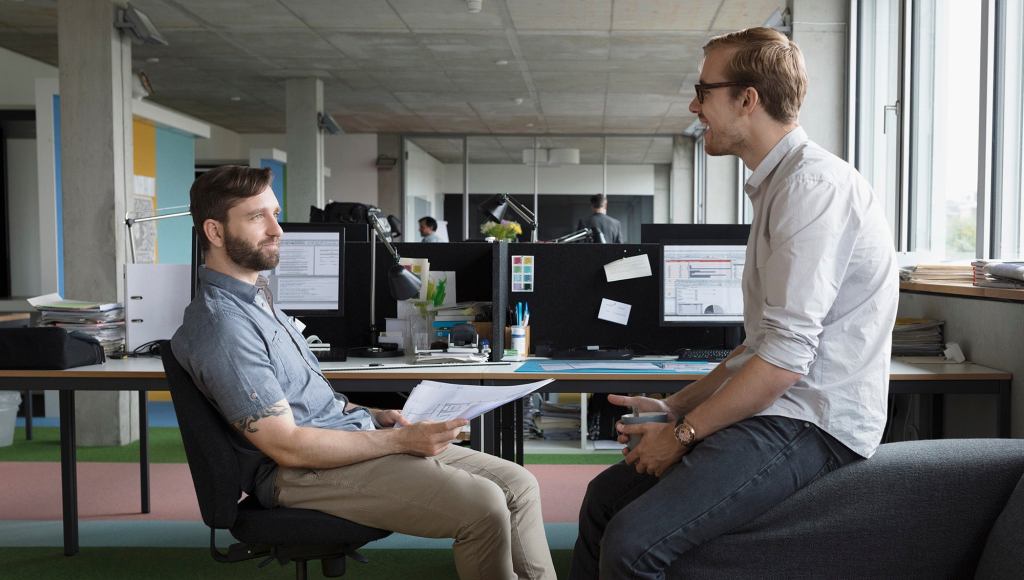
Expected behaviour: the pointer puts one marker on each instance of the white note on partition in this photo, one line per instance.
(433, 401)
(627, 268)
(612, 311)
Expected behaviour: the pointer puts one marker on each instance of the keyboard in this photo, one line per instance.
(595, 354)
(703, 354)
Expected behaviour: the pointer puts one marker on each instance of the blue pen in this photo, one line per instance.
(519, 313)
(526, 314)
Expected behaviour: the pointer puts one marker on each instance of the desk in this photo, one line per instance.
(504, 425)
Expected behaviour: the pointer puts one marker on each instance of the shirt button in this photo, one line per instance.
(254, 396)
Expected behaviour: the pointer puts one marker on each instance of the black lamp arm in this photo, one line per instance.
(378, 230)
(524, 213)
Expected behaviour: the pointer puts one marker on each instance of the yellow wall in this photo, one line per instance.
(144, 137)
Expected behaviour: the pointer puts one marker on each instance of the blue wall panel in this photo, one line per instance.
(175, 171)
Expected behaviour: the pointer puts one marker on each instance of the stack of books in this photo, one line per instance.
(447, 317)
(105, 322)
(917, 337)
(558, 421)
(998, 274)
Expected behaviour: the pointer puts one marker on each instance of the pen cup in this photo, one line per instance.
(645, 417)
(518, 338)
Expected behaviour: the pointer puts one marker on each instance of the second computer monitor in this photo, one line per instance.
(309, 279)
(701, 272)
(701, 284)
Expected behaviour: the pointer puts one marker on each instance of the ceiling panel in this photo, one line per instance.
(579, 66)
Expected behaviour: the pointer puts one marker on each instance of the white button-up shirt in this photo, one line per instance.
(820, 290)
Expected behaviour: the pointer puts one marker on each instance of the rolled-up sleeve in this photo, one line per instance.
(229, 361)
(810, 245)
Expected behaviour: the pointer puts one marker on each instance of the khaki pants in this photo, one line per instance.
(491, 507)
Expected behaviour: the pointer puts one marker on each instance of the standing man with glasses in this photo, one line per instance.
(806, 392)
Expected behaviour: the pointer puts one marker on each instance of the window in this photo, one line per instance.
(944, 120)
(1009, 128)
(878, 128)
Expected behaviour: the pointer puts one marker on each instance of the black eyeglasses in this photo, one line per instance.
(703, 88)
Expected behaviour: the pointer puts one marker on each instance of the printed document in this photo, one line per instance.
(433, 401)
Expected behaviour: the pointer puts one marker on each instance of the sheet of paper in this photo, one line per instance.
(603, 444)
(556, 367)
(627, 268)
(433, 401)
(689, 367)
(612, 311)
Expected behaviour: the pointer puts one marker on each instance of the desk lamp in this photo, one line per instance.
(497, 206)
(130, 221)
(581, 235)
(402, 285)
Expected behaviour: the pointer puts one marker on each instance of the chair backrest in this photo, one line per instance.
(212, 458)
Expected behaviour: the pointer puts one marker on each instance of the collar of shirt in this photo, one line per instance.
(243, 290)
(772, 160)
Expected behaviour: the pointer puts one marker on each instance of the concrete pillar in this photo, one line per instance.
(820, 27)
(305, 142)
(96, 169)
(389, 183)
(681, 186)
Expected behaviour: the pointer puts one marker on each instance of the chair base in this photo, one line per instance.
(332, 556)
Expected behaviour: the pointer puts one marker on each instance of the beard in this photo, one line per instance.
(251, 256)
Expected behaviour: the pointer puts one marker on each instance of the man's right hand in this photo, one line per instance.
(428, 438)
(643, 404)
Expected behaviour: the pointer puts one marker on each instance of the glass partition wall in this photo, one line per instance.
(554, 177)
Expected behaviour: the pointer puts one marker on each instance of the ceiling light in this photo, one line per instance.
(518, 100)
(501, 62)
(475, 6)
(529, 124)
(153, 60)
(236, 98)
(138, 26)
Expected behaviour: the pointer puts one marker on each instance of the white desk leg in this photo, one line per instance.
(583, 421)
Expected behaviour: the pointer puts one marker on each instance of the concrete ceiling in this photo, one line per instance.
(430, 66)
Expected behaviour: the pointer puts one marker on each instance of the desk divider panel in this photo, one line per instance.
(569, 284)
(473, 264)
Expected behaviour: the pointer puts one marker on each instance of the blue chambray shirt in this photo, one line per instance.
(246, 355)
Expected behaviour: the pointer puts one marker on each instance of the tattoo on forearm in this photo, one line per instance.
(248, 424)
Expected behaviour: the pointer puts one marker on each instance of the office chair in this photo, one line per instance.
(284, 534)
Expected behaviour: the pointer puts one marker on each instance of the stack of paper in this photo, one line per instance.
(943, 273)
(558, 421)
(996, 274)
(104, 321)
(433, 401)
(917, 337)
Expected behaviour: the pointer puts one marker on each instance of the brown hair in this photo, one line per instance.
(597, 201)
(769, 62)
(220, 189)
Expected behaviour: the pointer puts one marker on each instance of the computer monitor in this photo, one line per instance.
(701, 284)
(309, 279)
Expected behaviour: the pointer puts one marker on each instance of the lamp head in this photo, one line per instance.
(494, 208)
(402, 283)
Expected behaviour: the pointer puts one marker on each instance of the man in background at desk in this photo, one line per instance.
(318, 450)
(428, 229)
(806, 392)
(609, 228)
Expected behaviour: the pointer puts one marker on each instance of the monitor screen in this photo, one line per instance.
(309, 279)
(701, 284)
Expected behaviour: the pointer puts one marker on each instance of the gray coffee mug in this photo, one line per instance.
(644, 417)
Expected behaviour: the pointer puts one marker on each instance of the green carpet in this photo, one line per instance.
(174, 563)
(165, 447)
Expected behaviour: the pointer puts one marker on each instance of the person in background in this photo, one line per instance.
(609, 227)
(806, 392)
(428, 229)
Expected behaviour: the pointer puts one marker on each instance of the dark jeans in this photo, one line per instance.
(634, 526)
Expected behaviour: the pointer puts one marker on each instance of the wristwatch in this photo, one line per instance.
(685, 433)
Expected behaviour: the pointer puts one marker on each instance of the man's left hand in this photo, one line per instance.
(390, 418)
(658, 448)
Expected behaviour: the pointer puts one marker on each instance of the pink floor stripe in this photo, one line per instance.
(110, 491)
